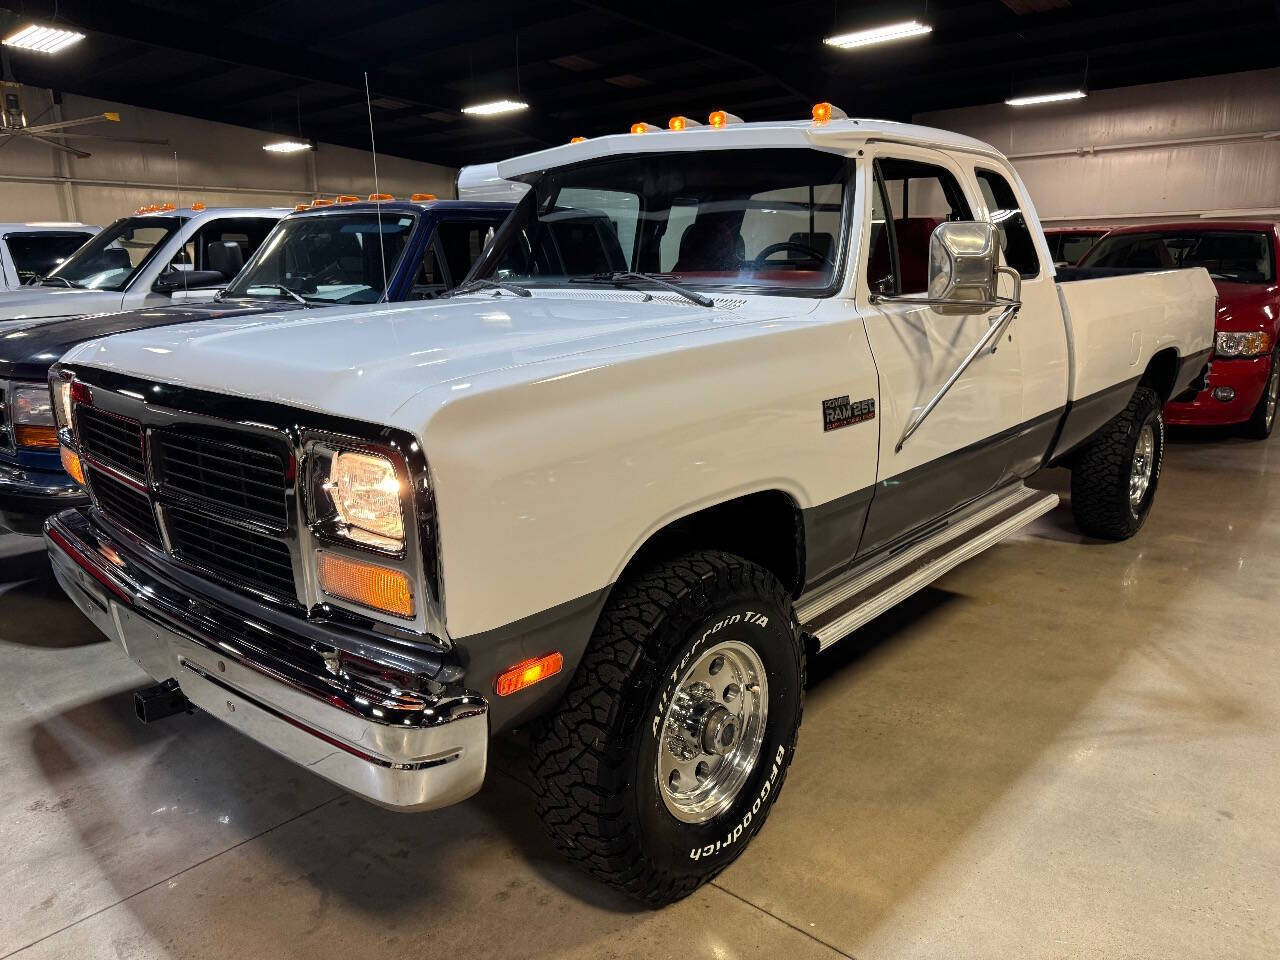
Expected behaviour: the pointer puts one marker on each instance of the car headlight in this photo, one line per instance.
(366, 494)
(1243, 344)
(33, 419)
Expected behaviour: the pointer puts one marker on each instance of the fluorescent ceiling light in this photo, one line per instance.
(496, 106)
(864, 38)
(42, 39)
(1046, 98)
(287, 146)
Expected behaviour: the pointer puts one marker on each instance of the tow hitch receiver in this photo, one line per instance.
(162, 700)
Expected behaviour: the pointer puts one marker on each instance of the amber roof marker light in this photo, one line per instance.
(824, 113)
(722, 118)
(682, 123)
(643, 127)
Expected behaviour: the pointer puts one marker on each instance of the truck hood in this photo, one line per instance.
(34, 302)
(1244, 307)
(28, 350)
(367, 362)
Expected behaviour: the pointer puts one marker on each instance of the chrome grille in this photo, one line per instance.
(231, 552)
(112, 440)
(242, 479)
(125, 505)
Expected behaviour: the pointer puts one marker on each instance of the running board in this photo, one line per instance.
(844, 606)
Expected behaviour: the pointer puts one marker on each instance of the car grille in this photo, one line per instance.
(111, 440)
(243, 479)
(6, 442)
(230, 552)
(125, 505)
(222, 495)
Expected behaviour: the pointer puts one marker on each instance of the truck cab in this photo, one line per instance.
(344, 254)
(145, 260)
(30, 250)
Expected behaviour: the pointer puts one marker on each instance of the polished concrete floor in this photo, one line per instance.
(1064, 749)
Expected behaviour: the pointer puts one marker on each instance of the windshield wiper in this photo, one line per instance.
(627, 278)
(276, 286)
(481, 283)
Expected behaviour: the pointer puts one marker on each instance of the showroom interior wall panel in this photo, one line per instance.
(1209, 146)
(220, 164)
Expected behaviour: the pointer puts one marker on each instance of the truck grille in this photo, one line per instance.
(223, 494)
(245, 480)
(112, 440)
(230, 552)
(125, 505)
(6, 442)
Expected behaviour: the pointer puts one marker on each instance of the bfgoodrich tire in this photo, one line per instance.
(1114, 476)
(673, 740)
(1263, 420)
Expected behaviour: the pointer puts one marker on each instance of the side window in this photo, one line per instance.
(910, 200)
(429, 280)
(461, 242)
(1015, 237)
(621, 211)
(246, 233)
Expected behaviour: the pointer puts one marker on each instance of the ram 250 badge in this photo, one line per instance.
(351, 253)
(716, 398)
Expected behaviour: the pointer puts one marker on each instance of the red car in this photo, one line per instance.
(1241, 256)
(1069, 244)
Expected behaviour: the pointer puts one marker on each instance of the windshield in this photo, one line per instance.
(35, 254)
(724, 218)
(328, 258)
(114, 256)
(1236, 256)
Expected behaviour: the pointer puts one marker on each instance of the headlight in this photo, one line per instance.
(1243, 344)
(365, 491)
(33, 423)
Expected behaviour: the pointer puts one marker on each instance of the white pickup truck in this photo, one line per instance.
(710, 400)
(29, 250)
(145, 260)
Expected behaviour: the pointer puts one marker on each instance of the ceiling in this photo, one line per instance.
(296, 67)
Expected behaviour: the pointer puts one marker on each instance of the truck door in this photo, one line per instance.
(960, 451)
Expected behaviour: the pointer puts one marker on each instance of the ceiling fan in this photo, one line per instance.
(13, 125)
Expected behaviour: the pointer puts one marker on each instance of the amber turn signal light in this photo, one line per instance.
(527, 673)
(71, 464)
(26, 435)
(368, 584)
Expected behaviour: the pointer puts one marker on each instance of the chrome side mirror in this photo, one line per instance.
(963, 257)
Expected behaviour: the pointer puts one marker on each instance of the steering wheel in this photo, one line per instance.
(803, 248)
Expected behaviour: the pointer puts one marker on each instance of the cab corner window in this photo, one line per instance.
(909, 202)
(1016, 242)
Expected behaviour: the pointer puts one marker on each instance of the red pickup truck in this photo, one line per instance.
(1244, 381)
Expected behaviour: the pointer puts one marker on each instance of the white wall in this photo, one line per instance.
(220, 164)
(1190, 148)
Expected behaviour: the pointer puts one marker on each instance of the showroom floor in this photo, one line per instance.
(1064, 749)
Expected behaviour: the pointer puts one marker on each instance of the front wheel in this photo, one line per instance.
(1115, 474)
(674, 738)
(1263, 420)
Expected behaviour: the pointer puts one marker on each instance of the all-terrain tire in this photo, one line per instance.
(595, 758)
(1263, 419)
(1102, 469)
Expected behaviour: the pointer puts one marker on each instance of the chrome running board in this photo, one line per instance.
(834, 611)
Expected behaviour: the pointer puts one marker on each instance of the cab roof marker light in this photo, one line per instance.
(682, 123)
(422, 198)
(301, 206)
(198, 206)
(42, 39)
(346, 198)
(577, 139)
(380, 197)
(825, 113)
(643, 127)
(321, 202)
(286, 146)
(1046, 98)
(884, 34)
(495, 107)
(721, 118)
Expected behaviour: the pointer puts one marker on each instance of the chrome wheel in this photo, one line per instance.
(712, 731)
(1273, 394)
(1144, 456)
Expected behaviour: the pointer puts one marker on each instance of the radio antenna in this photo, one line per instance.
(373, 149)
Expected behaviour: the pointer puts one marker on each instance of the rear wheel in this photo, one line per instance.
(1263, 420)
(674, 738)
(1114, 476)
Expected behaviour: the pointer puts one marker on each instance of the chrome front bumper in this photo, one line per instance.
(406, 751)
